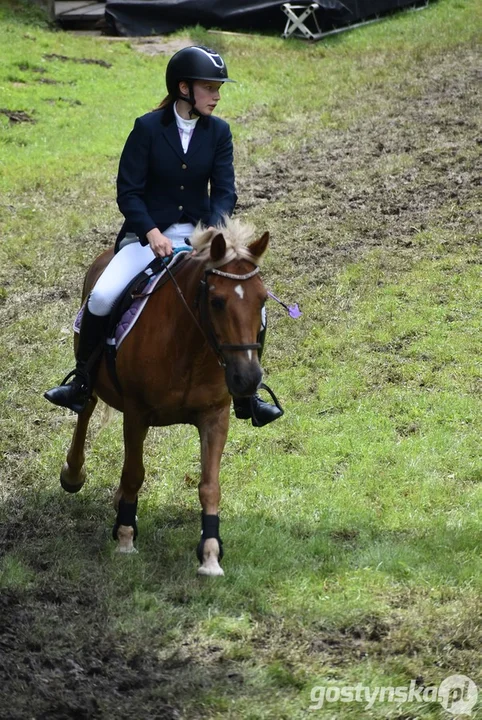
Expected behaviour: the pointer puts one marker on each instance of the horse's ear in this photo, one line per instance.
(258, 247)
(218, 247)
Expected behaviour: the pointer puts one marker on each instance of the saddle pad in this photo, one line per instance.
(133, 312)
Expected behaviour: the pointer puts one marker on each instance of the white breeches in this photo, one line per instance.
(132, 259)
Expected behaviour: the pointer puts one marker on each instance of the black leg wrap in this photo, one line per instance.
(126, 515)
(210, 529)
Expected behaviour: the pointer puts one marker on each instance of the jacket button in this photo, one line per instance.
(180, 207)
(181, 187)
(184, 166)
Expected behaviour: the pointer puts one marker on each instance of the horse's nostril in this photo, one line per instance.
(243, 382)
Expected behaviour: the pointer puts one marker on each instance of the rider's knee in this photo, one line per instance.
(99, 304)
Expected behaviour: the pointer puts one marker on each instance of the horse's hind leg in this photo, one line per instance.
(213, 431)
(72, 476)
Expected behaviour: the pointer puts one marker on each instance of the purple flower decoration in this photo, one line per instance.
(292, 310)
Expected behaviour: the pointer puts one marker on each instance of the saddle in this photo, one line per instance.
(129, 305)
(131, 302)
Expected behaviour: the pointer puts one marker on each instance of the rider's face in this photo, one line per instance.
(206, 94)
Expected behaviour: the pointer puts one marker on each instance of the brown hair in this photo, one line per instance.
(164, 103)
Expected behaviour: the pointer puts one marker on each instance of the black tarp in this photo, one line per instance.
(149, 17)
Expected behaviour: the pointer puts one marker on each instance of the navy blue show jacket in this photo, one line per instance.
(158, 184)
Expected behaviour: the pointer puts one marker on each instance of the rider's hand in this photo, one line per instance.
(160, 245)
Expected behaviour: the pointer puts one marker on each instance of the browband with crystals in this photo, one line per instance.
(233, 276)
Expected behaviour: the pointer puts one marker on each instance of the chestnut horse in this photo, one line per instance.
(194, 346)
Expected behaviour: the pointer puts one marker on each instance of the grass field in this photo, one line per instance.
(352, 525)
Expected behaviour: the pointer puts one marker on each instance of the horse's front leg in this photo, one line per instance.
(125, 500)
(72, 475)
(213, 431)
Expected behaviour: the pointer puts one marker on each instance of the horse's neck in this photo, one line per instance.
(189, 279)
(182, 289)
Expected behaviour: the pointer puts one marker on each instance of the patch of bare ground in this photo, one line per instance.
(159, 45)
(410, 164)
(17, 116)
(147, 45)
(60, 658)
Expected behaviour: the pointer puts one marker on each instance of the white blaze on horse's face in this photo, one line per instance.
(239, 290)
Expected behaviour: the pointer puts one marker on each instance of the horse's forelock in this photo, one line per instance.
(237, 236)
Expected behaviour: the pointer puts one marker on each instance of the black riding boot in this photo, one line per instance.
(254, 407)
(76, 394)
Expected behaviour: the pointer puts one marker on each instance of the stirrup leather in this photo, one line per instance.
(82, 376)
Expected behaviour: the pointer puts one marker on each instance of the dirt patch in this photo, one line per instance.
(82, 61)
(69, 101)
(72, 666)
(160, 45)
(32, 68)
(17, 116)
(50, 81)
(411, 165)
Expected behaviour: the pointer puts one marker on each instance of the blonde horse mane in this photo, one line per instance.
(237, 235)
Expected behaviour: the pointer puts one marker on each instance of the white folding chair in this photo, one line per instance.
(296, 24)
(298, 16)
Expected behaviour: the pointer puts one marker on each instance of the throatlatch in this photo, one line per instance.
(209, 529)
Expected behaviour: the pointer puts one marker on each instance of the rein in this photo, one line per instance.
(202, 303)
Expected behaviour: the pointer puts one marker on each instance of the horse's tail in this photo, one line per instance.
(107, 415)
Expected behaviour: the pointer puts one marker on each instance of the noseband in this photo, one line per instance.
(205, 317)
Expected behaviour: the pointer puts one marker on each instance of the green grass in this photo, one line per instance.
(352, 525)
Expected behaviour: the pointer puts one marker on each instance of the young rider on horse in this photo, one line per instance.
(176, 170)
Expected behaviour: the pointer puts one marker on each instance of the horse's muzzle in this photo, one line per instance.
(243, 377)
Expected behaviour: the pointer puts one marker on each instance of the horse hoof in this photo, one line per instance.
(125, 540)
(124, 550)
(65, 479)
(211, 570)
(210, 559)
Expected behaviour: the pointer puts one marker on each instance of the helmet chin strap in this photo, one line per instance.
(191, 100)
(195, 111)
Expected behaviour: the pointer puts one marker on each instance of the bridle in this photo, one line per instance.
(205, 316)
(202, 303)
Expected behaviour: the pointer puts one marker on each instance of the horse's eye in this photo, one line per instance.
(218, 303)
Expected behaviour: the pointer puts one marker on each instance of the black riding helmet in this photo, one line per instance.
(194, 63)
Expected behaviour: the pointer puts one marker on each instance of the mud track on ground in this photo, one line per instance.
(410, 164)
